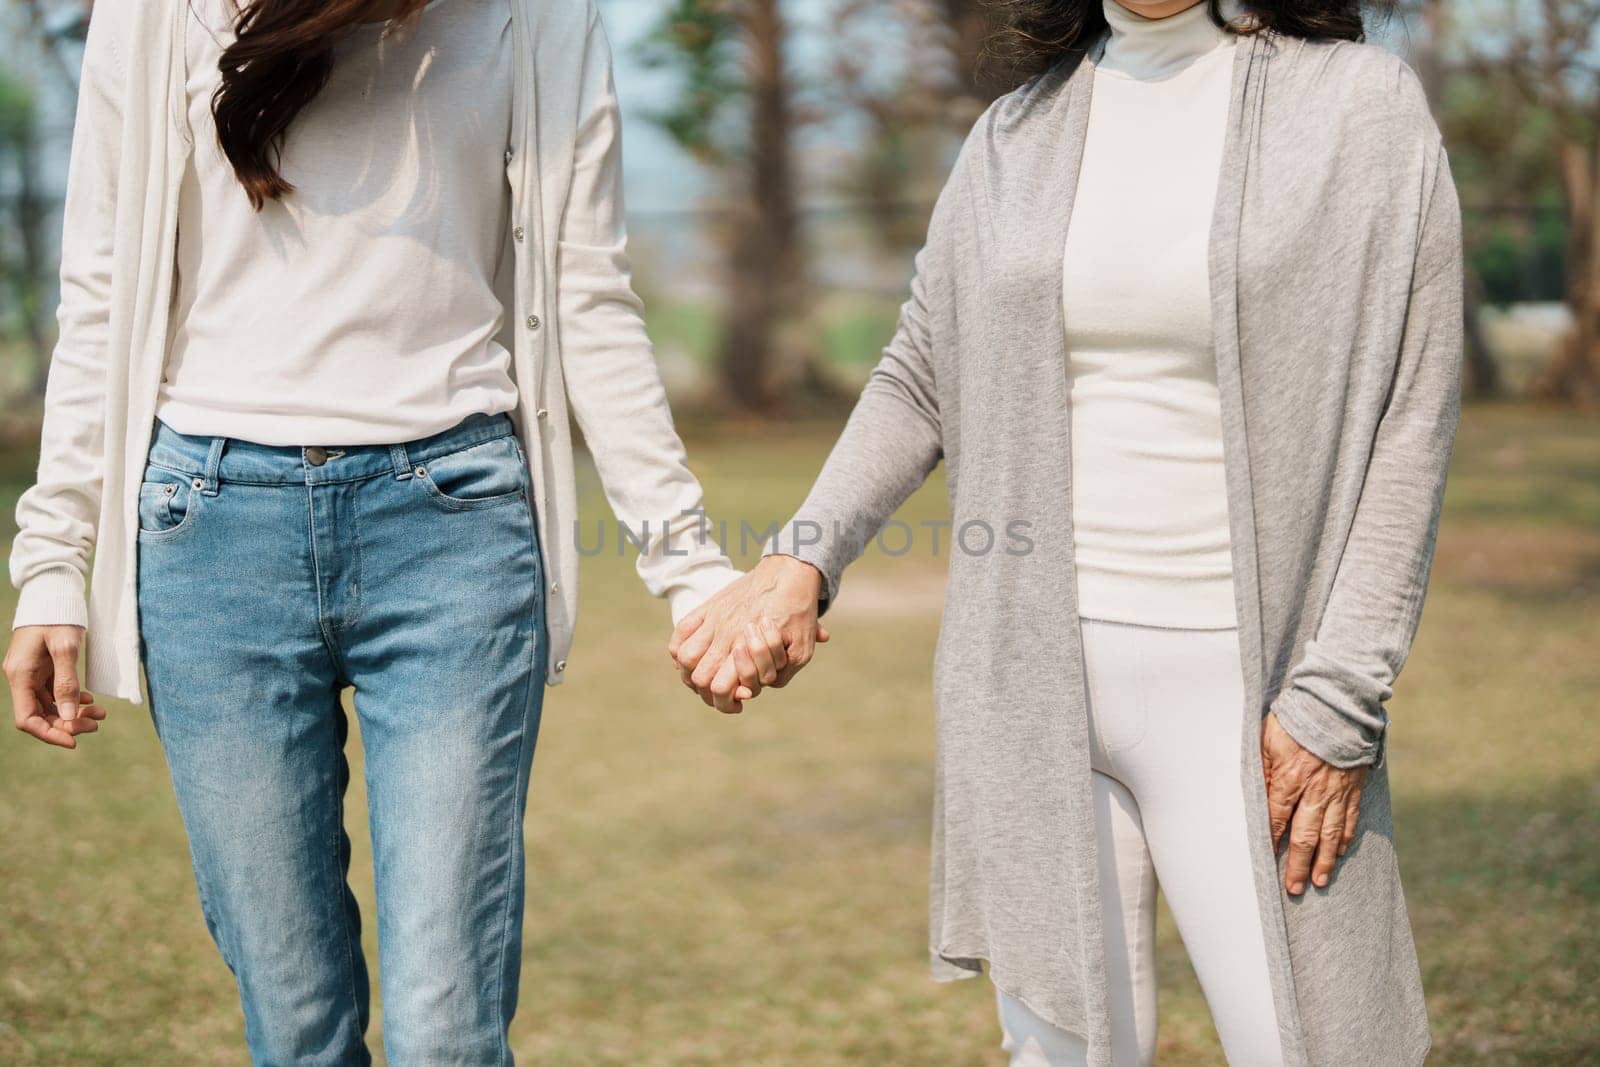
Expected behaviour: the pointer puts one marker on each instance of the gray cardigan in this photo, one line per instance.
(1336, 291)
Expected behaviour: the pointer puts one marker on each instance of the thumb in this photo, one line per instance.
(65, 689)
(822, 635)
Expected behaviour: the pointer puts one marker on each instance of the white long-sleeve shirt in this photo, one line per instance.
(1149, 500)
(360, 308)
(573, 325)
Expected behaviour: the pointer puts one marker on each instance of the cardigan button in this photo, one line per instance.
(533, 322)
(542, 413)
(519, 233)
(561, 665)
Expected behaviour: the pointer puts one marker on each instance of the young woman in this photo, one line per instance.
(332, 274)
(1187, 336)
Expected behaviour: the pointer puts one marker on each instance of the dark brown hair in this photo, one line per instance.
(1031, 35)
(278, 62)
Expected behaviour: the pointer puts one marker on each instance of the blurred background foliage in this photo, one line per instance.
(784, 156)
(751, 891)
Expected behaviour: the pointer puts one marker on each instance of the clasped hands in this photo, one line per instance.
(759, 631)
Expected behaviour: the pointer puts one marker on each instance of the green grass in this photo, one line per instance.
(752, 891)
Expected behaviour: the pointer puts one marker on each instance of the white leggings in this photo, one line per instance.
(1164, 730)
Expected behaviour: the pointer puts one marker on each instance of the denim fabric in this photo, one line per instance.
(268, 582)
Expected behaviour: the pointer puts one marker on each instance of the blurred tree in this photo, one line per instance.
(735, 111)
(915, 73)
(1483, 378)
(24, 256)
(23, 269)
(1530, 107)
(56, 25)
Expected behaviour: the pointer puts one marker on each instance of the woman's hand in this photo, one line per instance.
(1317, 804)
(758, 631)
(42, 667)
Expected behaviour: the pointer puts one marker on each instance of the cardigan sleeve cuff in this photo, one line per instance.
(698, 587)
(53, 597)
(1326, 734)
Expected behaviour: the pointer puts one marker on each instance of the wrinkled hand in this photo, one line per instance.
(46, 700)
(759, 631)
(1316, 802)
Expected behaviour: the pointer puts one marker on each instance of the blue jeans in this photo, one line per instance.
(269, 580)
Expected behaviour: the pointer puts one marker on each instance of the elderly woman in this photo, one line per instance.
(1186, 334)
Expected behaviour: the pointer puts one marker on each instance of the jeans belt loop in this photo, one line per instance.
(401, 461)
(213, 466)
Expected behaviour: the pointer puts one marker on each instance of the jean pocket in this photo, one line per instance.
(166, 504)
(482, 476)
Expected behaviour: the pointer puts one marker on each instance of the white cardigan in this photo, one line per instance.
(573, 324)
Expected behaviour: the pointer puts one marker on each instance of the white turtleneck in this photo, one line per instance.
(1149, 502)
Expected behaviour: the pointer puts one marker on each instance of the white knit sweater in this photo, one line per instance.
(1149, 493)
(360, 309)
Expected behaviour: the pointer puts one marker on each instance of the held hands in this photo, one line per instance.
(759, 631)
(42, 667)
(1316, 802)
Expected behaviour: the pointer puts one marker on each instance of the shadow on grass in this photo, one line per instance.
(1504, 894)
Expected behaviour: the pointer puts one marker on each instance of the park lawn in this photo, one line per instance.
(708, 890)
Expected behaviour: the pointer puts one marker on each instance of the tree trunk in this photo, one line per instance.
(764, 255)
(31, 215)
(1573, 375)
(1483, 372)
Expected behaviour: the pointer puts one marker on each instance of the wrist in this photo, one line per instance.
(793, 573)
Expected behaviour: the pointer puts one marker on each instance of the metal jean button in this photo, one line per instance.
(316, 456)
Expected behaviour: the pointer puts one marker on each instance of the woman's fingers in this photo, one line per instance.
(746, 672)
(800, 645)
(709, 658)
(63, 643)
(35, 712)
(759, 656)
(80, 725)
(1305, 833)
(693, 651)
(1317, 803)
(41, 667)
(765, 642)
(683, 631)
(1328, 846)
(1352, 815)
(33, 718)
(1283, 793)
(722, 689)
